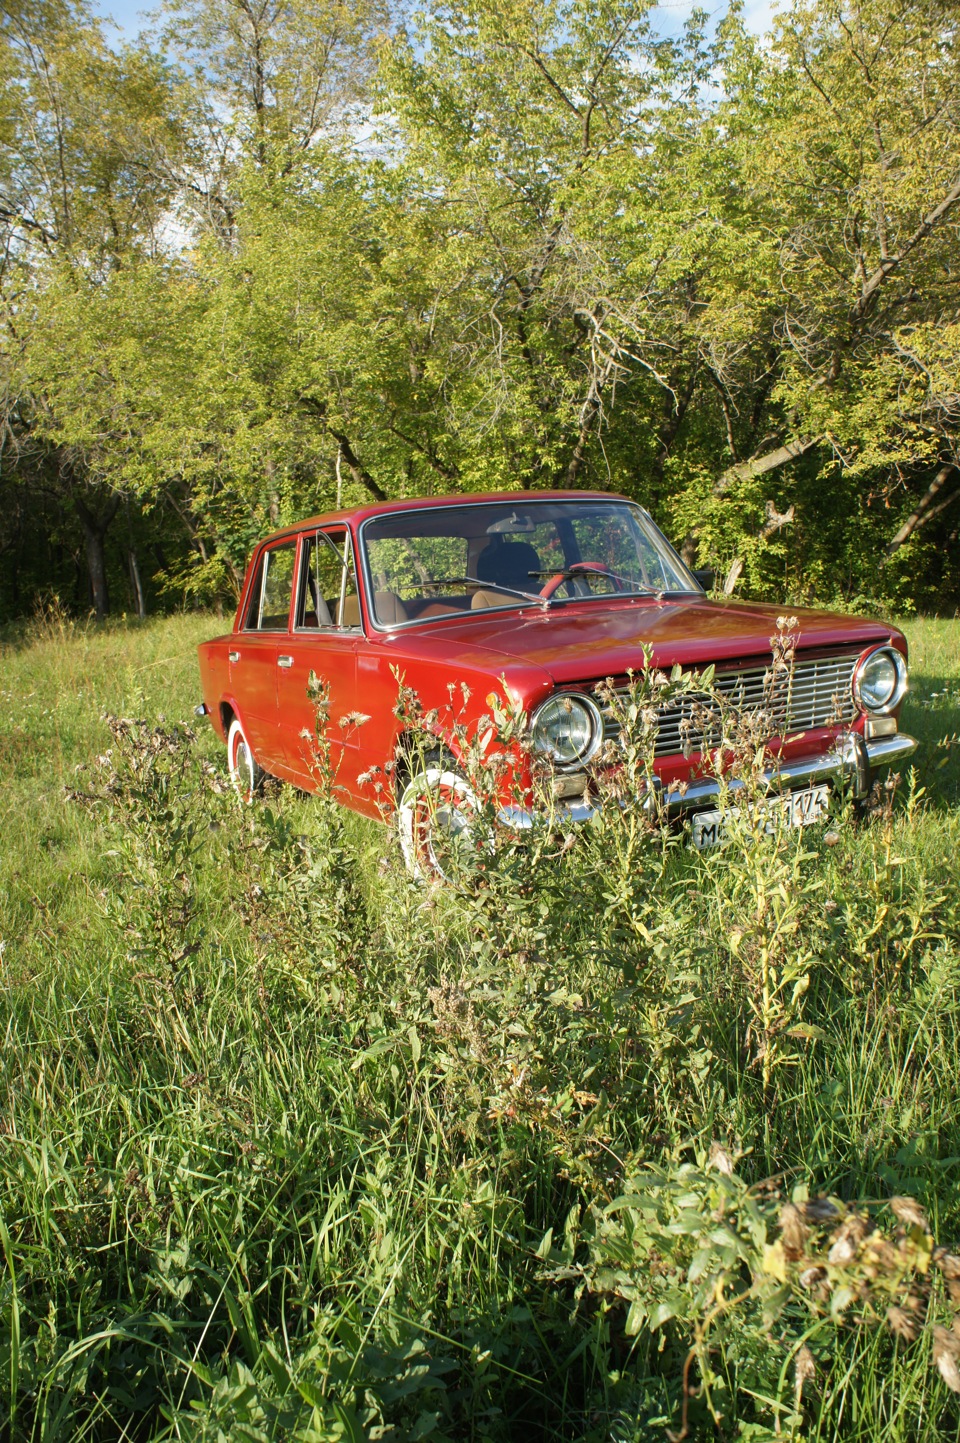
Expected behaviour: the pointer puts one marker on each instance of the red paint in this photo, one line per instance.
(534, 651)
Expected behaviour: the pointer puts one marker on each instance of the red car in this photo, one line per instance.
(545, 595)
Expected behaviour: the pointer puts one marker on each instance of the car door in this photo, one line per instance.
(254, 651)
(323, 641)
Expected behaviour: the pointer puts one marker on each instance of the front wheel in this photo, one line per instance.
(245, 772)
(437, 822)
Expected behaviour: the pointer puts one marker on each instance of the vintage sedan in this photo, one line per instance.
(552, 600)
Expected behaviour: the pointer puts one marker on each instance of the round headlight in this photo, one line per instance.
(567, 729)
(880, 680)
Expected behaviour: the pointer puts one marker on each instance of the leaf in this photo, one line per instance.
(775, 1261)
(664, 1311)
(546, 1243)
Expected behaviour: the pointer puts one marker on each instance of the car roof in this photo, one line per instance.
(356, 514)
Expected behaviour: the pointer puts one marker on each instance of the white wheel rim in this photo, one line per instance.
(435, 803)
(241, 765)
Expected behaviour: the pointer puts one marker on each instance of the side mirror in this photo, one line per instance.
(707, 577)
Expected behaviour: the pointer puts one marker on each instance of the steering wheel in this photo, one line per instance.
(557, 581)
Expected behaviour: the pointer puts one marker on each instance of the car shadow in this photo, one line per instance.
(931, 713)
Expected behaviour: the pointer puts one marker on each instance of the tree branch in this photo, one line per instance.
(745, 470)
(886, 267)
(924, 510)
(359, 472)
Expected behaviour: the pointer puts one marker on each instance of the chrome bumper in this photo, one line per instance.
(849, 764)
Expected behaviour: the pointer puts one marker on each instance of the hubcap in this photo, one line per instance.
(242, 767)
(442, 834)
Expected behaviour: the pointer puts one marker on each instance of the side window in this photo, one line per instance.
(269, 604)
(328, 584)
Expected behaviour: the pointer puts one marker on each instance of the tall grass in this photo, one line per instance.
(293, 1148)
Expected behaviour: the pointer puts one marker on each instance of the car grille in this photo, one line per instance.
(816, 693)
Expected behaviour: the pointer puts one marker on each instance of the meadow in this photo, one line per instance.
(626, 1143)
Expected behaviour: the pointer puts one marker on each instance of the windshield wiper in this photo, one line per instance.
(510, 590)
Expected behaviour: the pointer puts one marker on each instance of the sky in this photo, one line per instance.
(130, 15)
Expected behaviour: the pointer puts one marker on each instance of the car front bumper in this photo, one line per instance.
(848, 764)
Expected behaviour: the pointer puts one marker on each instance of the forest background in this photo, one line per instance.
(270, 257)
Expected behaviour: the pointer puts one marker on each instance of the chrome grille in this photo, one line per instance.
(816, 693)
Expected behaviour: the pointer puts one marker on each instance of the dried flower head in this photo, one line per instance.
(909, 1212)
(901, 1324)
(820, 1210)
(847, 1240)
(804, 1371)
(720, 1159)
(793, 1230)
(946, 1347)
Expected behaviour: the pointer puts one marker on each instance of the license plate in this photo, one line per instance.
(798, 809)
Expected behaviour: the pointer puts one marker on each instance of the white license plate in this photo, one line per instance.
(798, 809)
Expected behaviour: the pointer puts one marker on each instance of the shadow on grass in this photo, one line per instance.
(931, 713)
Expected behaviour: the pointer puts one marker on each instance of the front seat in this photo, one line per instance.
(509, 563)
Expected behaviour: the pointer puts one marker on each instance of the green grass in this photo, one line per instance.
(282, 1134)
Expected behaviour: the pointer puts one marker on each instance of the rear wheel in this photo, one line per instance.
(437, 822)
(245, 772)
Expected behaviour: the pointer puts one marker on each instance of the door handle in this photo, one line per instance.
(233, 656)
(285, 661)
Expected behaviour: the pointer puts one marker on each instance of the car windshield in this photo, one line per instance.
(444, 560)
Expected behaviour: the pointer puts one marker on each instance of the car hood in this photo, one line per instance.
(590, 640)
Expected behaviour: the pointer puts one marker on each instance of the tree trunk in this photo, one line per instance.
(136, 584)
(133, 566)
(94, 531)
(97, 570)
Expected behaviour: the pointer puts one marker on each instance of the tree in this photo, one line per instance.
(84, 192)
(849, 138)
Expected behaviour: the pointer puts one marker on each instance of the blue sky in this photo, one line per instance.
(129, 15)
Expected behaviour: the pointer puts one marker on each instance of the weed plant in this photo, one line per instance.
(615, 1140)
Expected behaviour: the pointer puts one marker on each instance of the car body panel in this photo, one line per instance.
(576, 640)
(520, 652)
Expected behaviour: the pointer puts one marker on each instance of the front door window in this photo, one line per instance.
(328, 584)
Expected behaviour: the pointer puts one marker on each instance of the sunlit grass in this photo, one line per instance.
(326, 1144)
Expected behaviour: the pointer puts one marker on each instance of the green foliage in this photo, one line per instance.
(311, 255)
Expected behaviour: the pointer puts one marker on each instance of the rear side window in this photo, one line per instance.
(269, 606)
